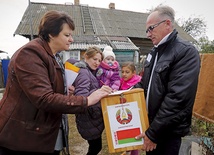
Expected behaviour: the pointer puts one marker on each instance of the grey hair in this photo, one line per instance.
(165, 12)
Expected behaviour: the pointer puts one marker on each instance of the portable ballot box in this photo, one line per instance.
(125, 117)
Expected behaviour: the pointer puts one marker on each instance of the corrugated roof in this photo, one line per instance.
(96, 26)
(118, 43)
(84, 46)
(105, 22)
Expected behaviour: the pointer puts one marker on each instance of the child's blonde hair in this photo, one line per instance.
(129, 65)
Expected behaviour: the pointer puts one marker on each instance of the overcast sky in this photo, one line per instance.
(11, 12)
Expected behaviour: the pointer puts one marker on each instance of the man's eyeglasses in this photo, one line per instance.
(150, 28)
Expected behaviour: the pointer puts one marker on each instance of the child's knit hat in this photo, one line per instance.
(108, 51)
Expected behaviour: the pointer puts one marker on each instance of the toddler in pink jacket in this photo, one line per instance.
(108, 72)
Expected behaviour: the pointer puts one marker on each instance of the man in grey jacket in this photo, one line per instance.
(170, 83)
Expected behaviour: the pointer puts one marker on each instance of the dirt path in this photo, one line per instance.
(79, 146)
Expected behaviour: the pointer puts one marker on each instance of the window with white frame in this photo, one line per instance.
(71, 54)
(75, 55)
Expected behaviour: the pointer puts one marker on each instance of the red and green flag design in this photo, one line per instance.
(128, 136)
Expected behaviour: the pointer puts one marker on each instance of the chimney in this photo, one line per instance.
(76, 2)
(111, 6)
(68, 3)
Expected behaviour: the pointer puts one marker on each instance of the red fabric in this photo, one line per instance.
(130, 133)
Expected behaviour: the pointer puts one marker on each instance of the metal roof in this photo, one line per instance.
(110, 22)
(117, 43)
(94, 23)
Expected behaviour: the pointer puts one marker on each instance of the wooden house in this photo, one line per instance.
(123, 30)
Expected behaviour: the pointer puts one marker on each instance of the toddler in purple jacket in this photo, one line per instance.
(108, 73)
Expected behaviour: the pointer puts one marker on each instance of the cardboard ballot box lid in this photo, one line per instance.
(133, 96)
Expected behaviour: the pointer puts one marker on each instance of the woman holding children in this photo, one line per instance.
(97, 69)
(90, 124)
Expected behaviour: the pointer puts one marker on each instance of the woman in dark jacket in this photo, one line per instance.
(33, 102)
(90, 123)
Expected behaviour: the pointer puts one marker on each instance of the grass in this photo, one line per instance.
(203, 129)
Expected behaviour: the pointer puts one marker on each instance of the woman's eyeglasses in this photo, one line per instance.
(150, 28)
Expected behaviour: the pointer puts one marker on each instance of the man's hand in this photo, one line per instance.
(148, 144)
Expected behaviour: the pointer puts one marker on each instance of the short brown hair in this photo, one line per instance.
(52, 23)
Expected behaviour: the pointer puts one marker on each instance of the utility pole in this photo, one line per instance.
(31, 28)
